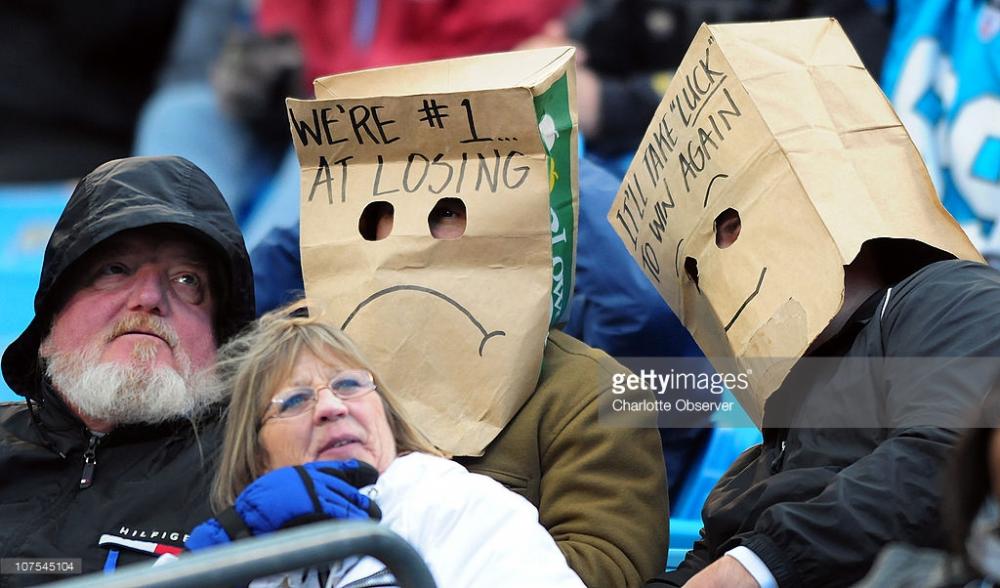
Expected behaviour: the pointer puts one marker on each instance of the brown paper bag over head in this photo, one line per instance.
(438, 210)
(778, 127)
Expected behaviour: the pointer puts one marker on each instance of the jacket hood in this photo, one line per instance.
(128, 194)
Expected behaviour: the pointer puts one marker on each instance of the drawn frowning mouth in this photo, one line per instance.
(486, 336)
(752, 295)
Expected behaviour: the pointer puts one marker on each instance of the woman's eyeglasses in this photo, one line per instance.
(346, 385)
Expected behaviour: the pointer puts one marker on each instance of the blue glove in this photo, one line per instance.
(292, 496)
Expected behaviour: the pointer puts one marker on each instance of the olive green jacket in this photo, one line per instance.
(601, 491)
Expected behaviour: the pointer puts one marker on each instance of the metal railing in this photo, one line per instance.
(240, 562)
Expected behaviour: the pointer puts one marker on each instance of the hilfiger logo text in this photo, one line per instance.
(145, 541)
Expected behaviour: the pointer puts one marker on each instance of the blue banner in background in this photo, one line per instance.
(28, 213)
(942, 74)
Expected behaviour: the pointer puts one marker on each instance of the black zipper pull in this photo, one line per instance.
(776, 463)
(90, 460)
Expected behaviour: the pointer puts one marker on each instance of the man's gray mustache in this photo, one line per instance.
(144, 323)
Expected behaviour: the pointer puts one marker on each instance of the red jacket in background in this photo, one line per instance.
(347, 35)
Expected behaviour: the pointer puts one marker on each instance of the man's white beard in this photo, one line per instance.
(132, 393)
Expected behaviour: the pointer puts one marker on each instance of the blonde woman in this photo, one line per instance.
(312, 423)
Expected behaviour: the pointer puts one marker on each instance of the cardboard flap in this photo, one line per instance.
(516, 69)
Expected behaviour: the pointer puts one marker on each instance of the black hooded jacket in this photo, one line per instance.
(148, 485)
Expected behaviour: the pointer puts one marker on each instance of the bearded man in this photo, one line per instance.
(109, 459)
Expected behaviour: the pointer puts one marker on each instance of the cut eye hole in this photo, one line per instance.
(727, 228)
(447, 219)
(691, 268)
(375, 223)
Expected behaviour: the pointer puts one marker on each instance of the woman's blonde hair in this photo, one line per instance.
(254, 364)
